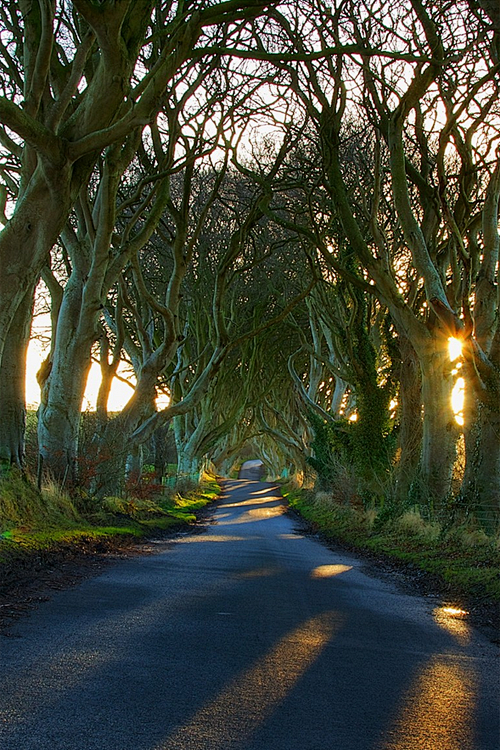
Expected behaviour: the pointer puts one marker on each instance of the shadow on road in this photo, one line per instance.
(267, 641)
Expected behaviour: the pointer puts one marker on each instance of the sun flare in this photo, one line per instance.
(454, 348)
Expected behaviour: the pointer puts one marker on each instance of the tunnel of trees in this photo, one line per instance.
(278, 214)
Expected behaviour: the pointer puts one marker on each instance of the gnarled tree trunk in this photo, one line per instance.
(481, 484)
(64, 387)
(12, 386)
(410, 418)
(439, 429)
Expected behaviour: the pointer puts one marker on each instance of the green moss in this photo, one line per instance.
(118, 519)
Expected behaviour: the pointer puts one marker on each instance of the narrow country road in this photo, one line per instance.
(248, 636)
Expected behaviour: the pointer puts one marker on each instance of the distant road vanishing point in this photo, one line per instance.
(253, 470)
(250, 635)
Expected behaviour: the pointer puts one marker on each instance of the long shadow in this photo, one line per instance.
(244, 652)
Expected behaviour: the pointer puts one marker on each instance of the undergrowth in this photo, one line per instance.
(23, 505)
(461, 554)
(33, 520)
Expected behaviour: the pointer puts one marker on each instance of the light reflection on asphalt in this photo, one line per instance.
(256, 645)
(437, 711)
(454, 621)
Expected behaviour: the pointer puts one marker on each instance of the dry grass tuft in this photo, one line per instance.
(412, 523)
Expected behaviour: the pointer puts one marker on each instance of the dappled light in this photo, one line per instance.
(251, 250)
(259, 504)
(248, 643)
(454, 621)
(260, 573)
(265, 491)
(329, 571)
(436, 713)
(267, 512)
(262, 363)
(212, 538)
(238, 711)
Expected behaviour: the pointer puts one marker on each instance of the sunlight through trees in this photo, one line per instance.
(281, 217)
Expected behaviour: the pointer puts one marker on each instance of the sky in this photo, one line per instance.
(120, 392)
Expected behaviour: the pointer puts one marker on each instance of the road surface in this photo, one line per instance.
(253, 470)
(249, 636)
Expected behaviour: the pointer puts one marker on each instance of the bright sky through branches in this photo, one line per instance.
(120, 391)
(454, 348)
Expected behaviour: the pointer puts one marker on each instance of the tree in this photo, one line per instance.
(404, 210)
(115, 218)
(222, 240)
(79, 80)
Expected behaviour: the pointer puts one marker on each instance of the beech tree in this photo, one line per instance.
(409, 209)
(216, 241)
(393, 193)
(128, 196)
(80, 77)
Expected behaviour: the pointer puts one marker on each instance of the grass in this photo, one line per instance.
(22, 505)
(461, 556)
(33, 522)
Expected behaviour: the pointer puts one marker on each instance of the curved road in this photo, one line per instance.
(248, 636)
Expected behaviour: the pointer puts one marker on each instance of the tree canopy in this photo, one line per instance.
(278, 214)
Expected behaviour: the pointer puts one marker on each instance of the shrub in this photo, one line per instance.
(185, 485)
(137, 508)
(412, 523)
(475, 538)
(144, 487)
(57, 502)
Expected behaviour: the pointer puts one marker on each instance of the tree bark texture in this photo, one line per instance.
(410, 419)
(13, 388)
(64, 387)
(481, 482)
(439, 436)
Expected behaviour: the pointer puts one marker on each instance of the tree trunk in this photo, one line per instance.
(481, 481)
(64, 388)
(27, 238)
(338, 396)
(410, 419)
(440, 431)
(160, 450)
(134, 463)
(13, 388)
(187, 464)
(186, 444)
(116, 445)
(25, 242)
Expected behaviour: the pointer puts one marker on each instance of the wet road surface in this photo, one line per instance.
(249, 636)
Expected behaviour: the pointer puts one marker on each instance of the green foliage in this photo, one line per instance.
(120, 520)
(21, 504)
(368, 346)
(341, 444)
(136, 508)
(331, 441)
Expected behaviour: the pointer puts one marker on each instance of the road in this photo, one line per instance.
(248, 636)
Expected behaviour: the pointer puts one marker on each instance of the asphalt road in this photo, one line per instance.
(248, 636)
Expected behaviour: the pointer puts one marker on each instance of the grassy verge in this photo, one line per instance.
(460, 557)
(37, 524)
